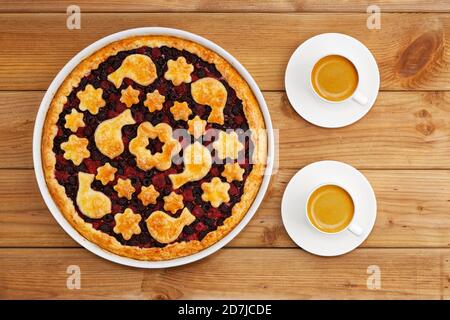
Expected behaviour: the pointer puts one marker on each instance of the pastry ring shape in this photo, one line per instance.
(145, 160)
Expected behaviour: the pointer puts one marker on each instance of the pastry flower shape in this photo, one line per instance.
(228, 145)
(233, 171)
(211, 92)
(74, 120)
(164, 228)
(75, 149)
(180, 111)
(179, 71)
(124, 188)
(148, 195)
(197, 162)
(108, 135)
(197, 127)
(154, 101)
(137, 67)
(91, 203)
(127, 224)
(215, 192)
(105, 173)
(129, 96)
(160, 160)
(173, 202)
(91, 99)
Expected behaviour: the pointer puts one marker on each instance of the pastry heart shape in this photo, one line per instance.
(164, 228)
(137, 67)
(108, 135)
(91, 203)
(197, 162)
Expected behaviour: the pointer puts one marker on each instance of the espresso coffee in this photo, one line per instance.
(334, 78)
(330, 208)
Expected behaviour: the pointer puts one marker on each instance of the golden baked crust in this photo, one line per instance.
(171, 250)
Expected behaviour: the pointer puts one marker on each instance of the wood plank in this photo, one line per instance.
(413, 211)
(230, 273)
(226, 6)
(418, 59)
(403, 130)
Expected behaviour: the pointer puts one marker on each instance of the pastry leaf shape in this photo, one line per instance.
(91, 203)
(197, 162)
(164, 228)
(211, 92)
(108, 135)
(137, 67)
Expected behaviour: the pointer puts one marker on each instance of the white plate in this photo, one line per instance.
(298, 88)
(295, 196)
(38, 133)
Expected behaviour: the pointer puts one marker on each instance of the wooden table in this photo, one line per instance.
(402, 146)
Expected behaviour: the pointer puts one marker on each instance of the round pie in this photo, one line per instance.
(154, 147)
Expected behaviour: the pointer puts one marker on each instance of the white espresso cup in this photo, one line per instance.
(357, 95)
(352, 226)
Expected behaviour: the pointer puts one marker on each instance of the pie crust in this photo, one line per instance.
(133, 133)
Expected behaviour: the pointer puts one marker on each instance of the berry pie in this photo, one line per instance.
(154, 147)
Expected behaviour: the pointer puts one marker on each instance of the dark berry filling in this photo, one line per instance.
(208, 218)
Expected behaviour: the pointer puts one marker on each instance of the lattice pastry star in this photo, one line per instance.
(197, 127)
(215, 192)
(105, 173)
(181, 111)
(124, 188)
(74, 120)
(233, 171)
(228, 145)
(173, 202)
(76, 149)
(179, 71)
(127, 223)
(129, 96)
(148, 195)
(91, 99)
(154, 101)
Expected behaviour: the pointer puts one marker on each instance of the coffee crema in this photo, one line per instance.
(334, 78)
(330, 208)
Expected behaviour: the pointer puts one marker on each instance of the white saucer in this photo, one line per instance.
(297, 80)
(295, 196)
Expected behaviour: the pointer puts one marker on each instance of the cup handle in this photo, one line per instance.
(355, 229)
(360, 98)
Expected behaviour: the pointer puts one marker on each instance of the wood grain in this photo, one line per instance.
(402, 146)
(413, 211)
(403, 130)
(226, 6)
(35, 46)
(230, 273)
